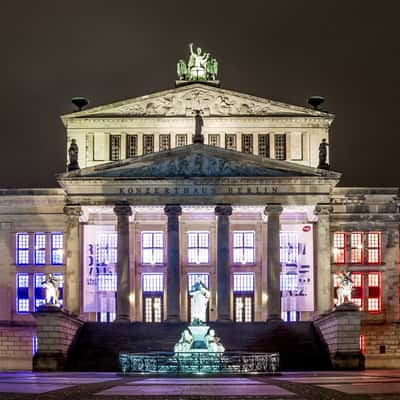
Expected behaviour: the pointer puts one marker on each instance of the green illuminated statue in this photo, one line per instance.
(200, 66)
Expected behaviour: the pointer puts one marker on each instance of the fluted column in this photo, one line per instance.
(273, 211)
(123, 212)
(323, 263)
(72, 279)
(173, 274)
(223, 265)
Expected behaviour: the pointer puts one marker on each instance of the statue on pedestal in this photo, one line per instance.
(213, 342)
(199, 299)
(323, 154)
(50, 284)
(344, 289)
(73, 156)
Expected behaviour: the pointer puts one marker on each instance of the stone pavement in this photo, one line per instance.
(328, 385)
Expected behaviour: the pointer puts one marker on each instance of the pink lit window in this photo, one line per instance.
(356, 242)
(374, 292)
(374, 248)
(357, 294)
(362, 344)
(339, 247)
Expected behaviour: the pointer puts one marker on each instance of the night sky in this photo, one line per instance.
(347, 51)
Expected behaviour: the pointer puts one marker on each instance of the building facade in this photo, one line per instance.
(150, 210)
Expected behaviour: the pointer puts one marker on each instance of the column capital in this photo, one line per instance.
(122, 209)
(173, 209)
(73, 210)
(223, 209)
(273, 209)
(323, 209)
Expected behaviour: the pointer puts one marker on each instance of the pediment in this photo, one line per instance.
(183, 101)
(198, 161)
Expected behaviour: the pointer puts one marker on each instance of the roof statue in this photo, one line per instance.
(200, 66)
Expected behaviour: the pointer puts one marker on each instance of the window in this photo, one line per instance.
(230, 142)
(152, 247)
(362, 344)
(374, 248)
(289, 282)
(106, 249)
(289, 245)
(243, 293)
(357, 247)
(39, 295)
(198, 243)
(152, 285)
(39, 255)
(339, 247)
(243, 282)
(213, 140)
(148, 144)
(34, 344)
(131, 146)
(280, 147)
(115, 147)
(181, 140)
(22, 293)
(263, 145)
(374, 292)
(243, 247)
(165, 142)
(290, 316)
(247, 143)
(57, 248)
(22, 255)
(107, 282)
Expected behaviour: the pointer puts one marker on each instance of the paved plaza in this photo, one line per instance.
(372, 384)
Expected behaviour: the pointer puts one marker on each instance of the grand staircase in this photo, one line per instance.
(97, 345)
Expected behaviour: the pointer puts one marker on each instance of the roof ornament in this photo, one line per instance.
(198, 134)
(200, 67)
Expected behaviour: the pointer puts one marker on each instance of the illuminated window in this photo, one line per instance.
(39, 295)
(243, 292)
(357, 293)
(22, 293)
(60, 280)
(280, 147)
(362, 344)
(22, 246)
(289, 247)
(34, 344)
(181, 140)
(357, 247)
(165, 142)
(39, 254)
(213, 140)
(289, 282)
(374, 247)
(115, 147)
(107, 282)
(290, 316)
(106, 316)
(230, 142)
(152, 283)
(374, 292)
(198, 252)
(243, 247)
(243, 282)
(263, 145)
(106, 248)
(339, 247)
(247, 143)
(148, 144)
(203, 278)
(57, 248)
(152, 247)
(131, 146)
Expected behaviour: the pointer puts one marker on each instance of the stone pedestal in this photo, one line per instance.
(56, 331)
(340, 329)
(223, 264)
(173, 274)
(123, 212)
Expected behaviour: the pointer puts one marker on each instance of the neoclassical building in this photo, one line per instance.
(198, 182)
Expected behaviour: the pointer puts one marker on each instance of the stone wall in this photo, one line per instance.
(16, 346)
(55, 330)
(382, 345)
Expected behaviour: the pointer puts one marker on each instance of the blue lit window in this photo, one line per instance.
(243, 247)
(198, 247)
(152, 283)
(22, 247)
(22, 293)
(152, 247)
(57, 248)
(34, 344)
(107, 282)
(60, 279)
(106, 249)
(243, 282)
(40, 249)
(39, 297)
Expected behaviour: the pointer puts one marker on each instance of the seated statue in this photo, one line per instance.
(213, 342)
(185, 342)
(52, 292)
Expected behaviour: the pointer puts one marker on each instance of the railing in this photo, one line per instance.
(199, 362)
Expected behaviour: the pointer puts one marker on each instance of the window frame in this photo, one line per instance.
(235, 249)
(197, 249)
(162, 248)
(25, 250)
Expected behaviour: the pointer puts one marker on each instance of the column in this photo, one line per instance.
(123, 212)
(323, 260)
(173, 274)
(223, 265)
(72, 278)
(273, 211)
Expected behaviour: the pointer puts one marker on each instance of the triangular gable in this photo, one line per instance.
(183, 101)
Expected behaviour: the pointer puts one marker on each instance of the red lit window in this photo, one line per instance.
(357, 293)
(339, 247)
(362, 344)
(374, 292)
(374, 247)
(356, 242)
